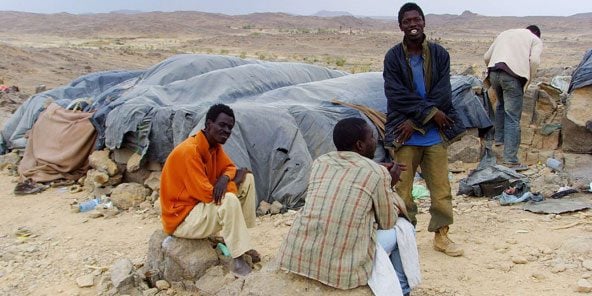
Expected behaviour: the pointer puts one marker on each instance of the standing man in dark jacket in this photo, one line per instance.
(421, 119)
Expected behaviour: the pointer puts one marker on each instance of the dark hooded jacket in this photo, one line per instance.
(402, 100)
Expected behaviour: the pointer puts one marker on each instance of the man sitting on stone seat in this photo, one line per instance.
(350, 207)
(199, 195)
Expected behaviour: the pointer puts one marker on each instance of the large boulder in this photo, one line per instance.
(99, 160)
(579, 169)
(576, 137)
(468, 149)
(122, 275)
(177, 259)
(128, 195)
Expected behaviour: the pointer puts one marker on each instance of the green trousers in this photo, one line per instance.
(433, 161)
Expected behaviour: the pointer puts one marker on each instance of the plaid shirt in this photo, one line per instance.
(333, 239)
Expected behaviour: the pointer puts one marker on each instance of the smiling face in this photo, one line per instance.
(412, 25)
(218, 131)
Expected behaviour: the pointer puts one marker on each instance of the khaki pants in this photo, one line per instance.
(433, 161)
(232, 217)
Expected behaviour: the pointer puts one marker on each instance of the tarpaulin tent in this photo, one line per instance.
(285, 113)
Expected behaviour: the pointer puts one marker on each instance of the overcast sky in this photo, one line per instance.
(307, 7)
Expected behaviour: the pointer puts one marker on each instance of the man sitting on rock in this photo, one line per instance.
(198, 191)
(349, 196)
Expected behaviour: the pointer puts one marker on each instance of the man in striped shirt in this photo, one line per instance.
(349, 198)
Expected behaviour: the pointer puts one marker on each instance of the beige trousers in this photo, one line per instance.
(232, 217)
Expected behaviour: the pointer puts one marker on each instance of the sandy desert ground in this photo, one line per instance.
(44, 246)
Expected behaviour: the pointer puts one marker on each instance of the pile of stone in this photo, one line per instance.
(123, 178)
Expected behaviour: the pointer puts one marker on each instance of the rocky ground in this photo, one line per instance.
(48, 249)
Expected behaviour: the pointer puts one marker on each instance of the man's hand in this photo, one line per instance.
(240, 176)
(442, 120)
(220, 188)
(405, 130)
(396, 171)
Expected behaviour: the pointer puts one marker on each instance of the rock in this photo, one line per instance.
(468, 149)
(177, 259)
(576, 137)
(85, 281)
(157, 207)
(138, 176)
(150, 292)
(213, 281)
(145, 205)
(154, 166)
(587, 264)
(232, 289)
(99, 160)
(153, 181)
(162, 285)
(539, 276)
(127, 195)
(587, 275)
(579, 168)
(104, 284)
(134, 162)
(98, 177)
(584, 286)
(263, 208)
(154, 196)
(276, 207)
(114, 180)
(11, 159)
(102, 190)
(40, 88)
(456, 167)
(122, 155)
(519, 260)
(122, 275)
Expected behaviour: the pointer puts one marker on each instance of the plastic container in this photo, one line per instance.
(88, 205)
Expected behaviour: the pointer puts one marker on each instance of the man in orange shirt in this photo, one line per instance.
(202, 192)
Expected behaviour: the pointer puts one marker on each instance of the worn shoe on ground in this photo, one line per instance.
(445, 245)
(518, 167)
(28, 187)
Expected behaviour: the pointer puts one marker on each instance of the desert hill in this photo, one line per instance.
(60, 47)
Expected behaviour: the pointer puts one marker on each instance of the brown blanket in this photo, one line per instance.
(58, 145)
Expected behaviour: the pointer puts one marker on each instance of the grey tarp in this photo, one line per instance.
(284, 113)
(471, 107)
(88, 86)
(582, 75)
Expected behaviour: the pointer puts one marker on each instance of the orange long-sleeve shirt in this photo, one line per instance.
(188, 177)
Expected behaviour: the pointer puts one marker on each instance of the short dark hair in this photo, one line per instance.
(347, 132)
(535, 30)
(216, 109)
(409, 6)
